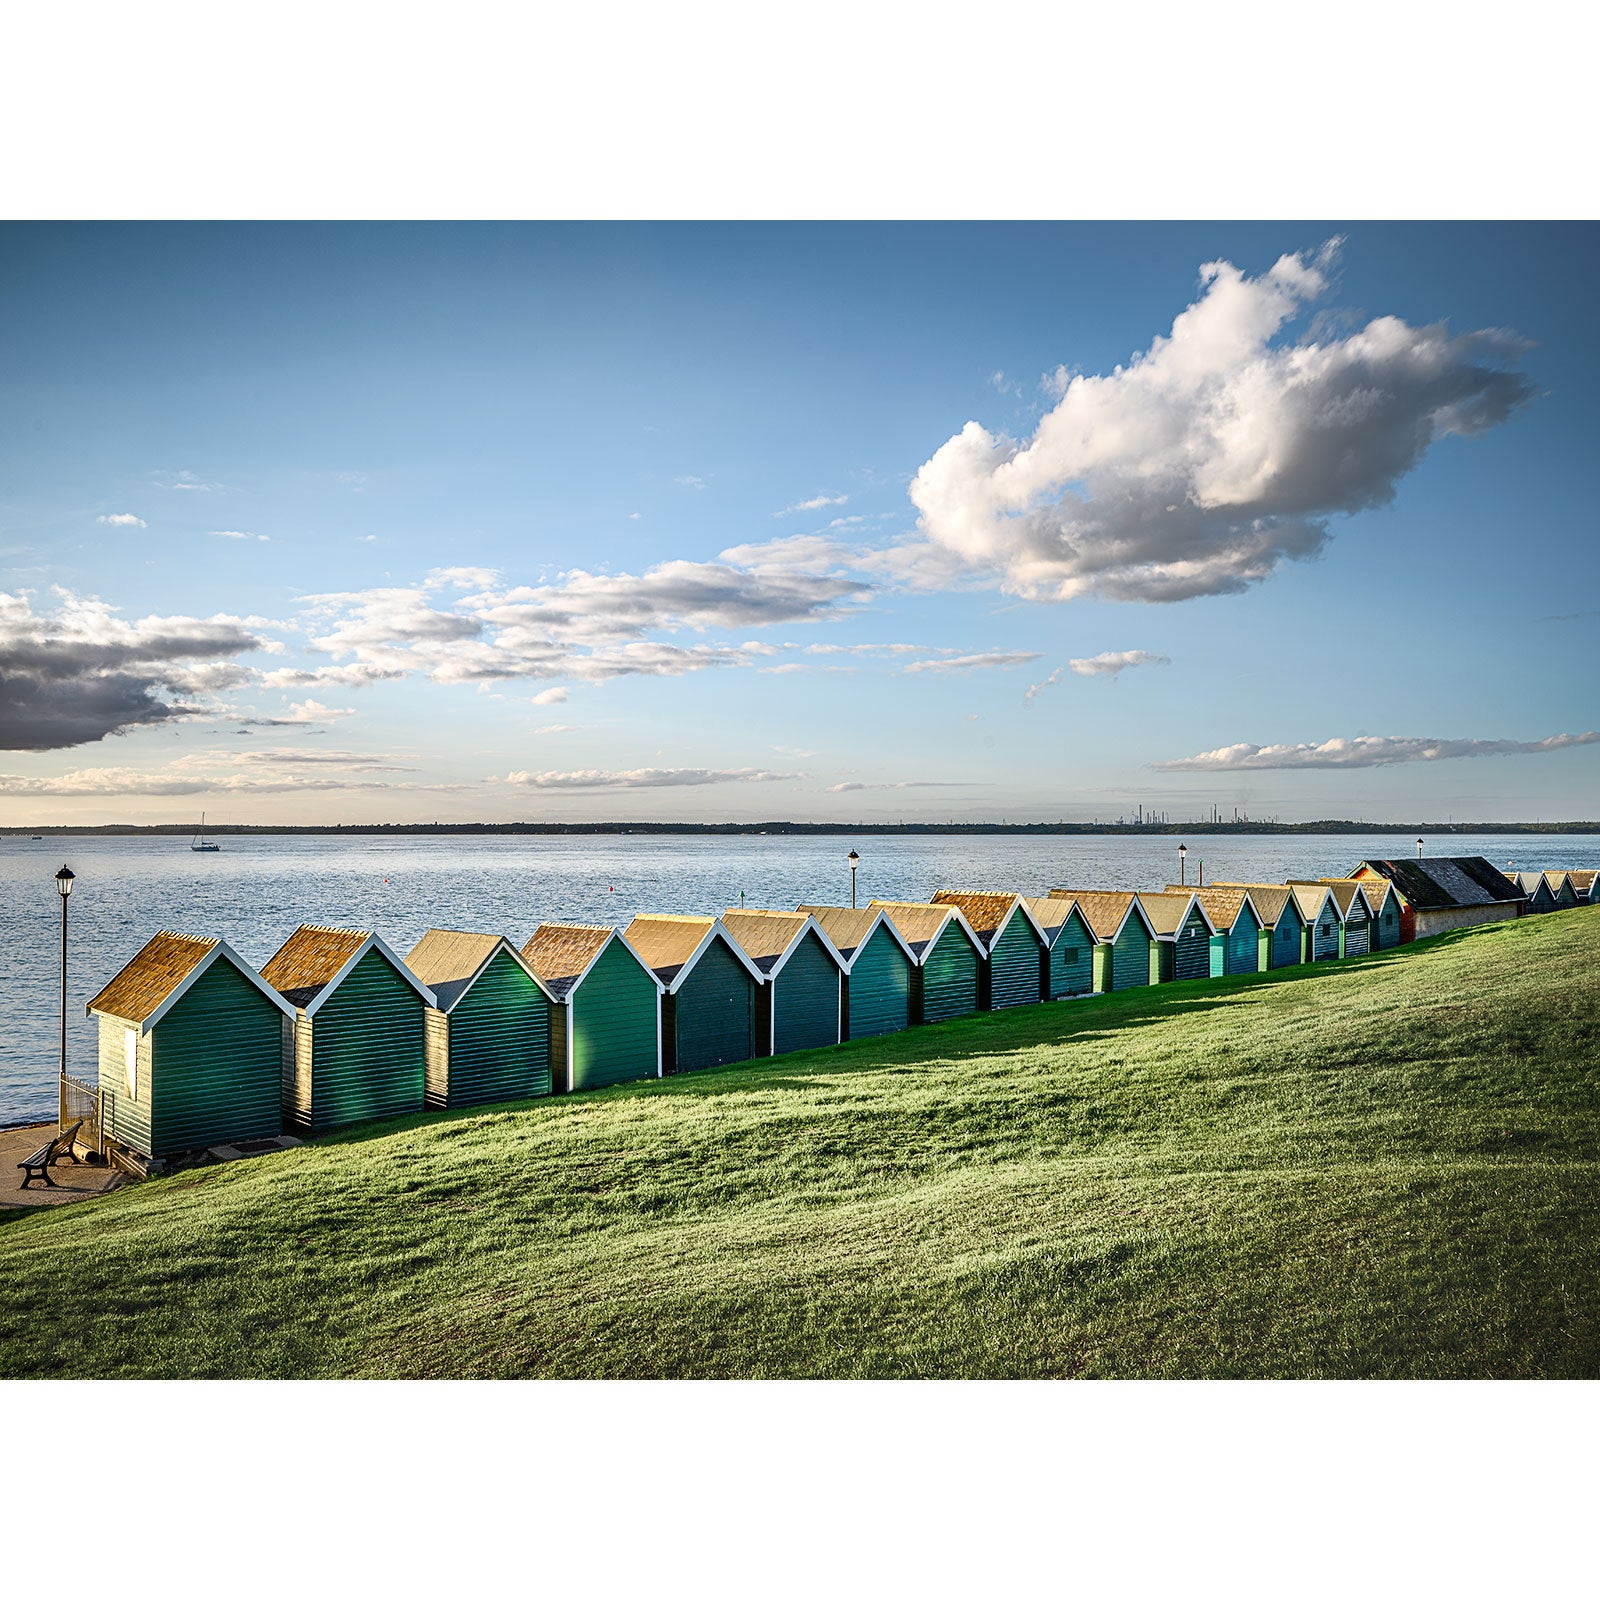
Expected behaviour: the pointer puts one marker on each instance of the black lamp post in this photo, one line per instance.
(1419, 849)
(1183, 864)
(64, 880)
(855, 861)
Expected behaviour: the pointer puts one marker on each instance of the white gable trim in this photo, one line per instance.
(616, 937)
(483, 966)
(713, 933)
(372, 941)
(222, 950)
(810, 925)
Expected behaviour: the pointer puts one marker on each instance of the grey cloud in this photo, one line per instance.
(646, 778)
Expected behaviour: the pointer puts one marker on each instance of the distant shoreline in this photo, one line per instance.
(1200, 829)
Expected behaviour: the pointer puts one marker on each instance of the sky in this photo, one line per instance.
(323, 523)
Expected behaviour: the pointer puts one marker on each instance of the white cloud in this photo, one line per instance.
(1364, 751)
(690, 481)
(646, 778)
(310, 711)
(191, 481)
(1053, 677)
(366, 538)
(559, 727)
(1210, 457)
(1110, 662)
(265, 538)
(123, 519)
(853, 787)
(817, 502)
(982, 661)
(550, 697)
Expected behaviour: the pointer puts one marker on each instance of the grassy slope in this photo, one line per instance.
(1387, 1167)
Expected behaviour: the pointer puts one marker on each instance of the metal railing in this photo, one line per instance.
(82, 1101)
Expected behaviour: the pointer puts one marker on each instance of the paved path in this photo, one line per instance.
(72, 1183)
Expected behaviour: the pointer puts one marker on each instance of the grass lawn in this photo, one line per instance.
(1380, 1168)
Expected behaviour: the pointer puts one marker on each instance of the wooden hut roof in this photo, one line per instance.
(1374, 890)
(1052, 915)
(765, 936)
(1269, 899)
(1345, 891)
(313, 957)
(1224, 903)
(159, 974)
(988, 913)
(561, 952)
(1105, 910)
(670, 945)
(1582, 881)
(1311, 897)
(919, 923)
(850, 928)
(1442, 883)
(449, 962)
(1168, 912)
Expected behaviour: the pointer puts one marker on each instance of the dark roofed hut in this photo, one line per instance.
(947, 978)
(708, 1007)
(800, 1005)
(357, 1048)
(607, 1028)
(1069, 962)
(879, 969)
(488, 1031)
(191, 1048)
(1016, 947)
(1438, 893)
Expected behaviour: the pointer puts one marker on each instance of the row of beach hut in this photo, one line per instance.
(198, 1049)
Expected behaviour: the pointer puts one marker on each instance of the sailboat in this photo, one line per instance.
(200, 840)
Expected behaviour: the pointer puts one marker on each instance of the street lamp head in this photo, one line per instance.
(64, 880)
(1183, 849)
(852, 858)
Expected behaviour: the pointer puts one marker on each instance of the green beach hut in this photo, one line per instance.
(1282, 935)
(191, 1049)
(1236, 944)
(488, 1030)
(1355, 915)
(1123, 958)
(708, 1004)
(1069, 961)
(800, 1006)
(1584, 884)
(1535, 886)
(1566, 897)
(1015, 947)
(879, 969)
(1184, 933)
(607, 1023)
(947, 978)
(1320, 912)
(1383, 909)
(357, 1048)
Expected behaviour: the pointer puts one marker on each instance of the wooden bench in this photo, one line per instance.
(38, 1164)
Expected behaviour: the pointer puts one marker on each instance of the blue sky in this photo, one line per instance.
(396, 522)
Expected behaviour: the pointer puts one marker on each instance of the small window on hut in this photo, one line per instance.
(130, 1060)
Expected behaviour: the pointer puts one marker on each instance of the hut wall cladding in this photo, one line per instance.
(1014, 966)
(1325, 935)
(367, 1048)
(1286, 938)
(1071, 961)
(805, 999)
(714, 1014)
(950, 976)
(499, 1039)
(1244, 948)
(127, 1110)
(1355, 939)
(1386, 925)
(1130, 955)
(879, 988)
(215, 1066)
(1192, 955)
(613, 1023)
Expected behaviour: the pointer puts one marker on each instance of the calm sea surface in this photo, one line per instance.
(255, 891)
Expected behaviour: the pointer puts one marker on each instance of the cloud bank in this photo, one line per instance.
(1211, 457)
(645, 778)
(1364, 752)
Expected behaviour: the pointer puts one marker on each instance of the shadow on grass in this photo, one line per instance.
(992, 1033)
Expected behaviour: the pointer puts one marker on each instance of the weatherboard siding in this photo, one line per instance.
(1355, 936)
(1130, 956)
(499, 1039)
(805, 999)
(715, 1012)
(1244, 953)
(1386, 926)
(126, 1113)
(1325, 936)
(367, 1048)
(1286, 943)
(879, 988)
(613, 1023)
(1014, 966)
(949, 977)
(1191, 956)
(216, 1064)
(1071, 961)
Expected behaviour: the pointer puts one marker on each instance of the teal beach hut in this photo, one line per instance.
(1124, 957)
(1383, 909)
(1236, 945)
(1322, 921)
(1355, 914)
(607, 1023)
(488, 1030)
(947, 979)
(1069, 961)
(1184, 935)
(191, 1049)
(878, 969)
(357, 1048)
(1015, 946)
(708, 1003)
(800, 1006)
